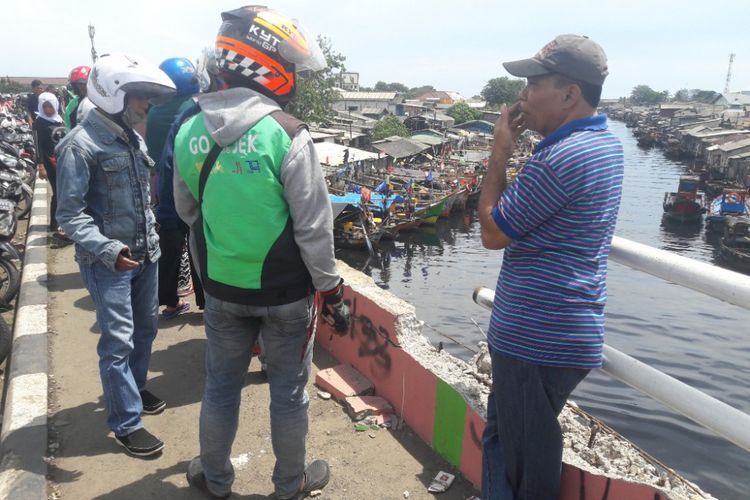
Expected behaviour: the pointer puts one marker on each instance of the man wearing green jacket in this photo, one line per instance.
(248, 182)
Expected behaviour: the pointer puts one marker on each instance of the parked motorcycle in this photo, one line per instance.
(13, 188)
(10, 276)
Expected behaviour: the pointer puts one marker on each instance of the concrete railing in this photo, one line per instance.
(729, 286)
(23, 441)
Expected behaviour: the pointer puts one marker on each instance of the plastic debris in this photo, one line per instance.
(324, 395)
(361, 427)
(441, 483)
(406, 494)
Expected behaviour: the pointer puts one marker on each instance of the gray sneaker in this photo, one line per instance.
(316, 477)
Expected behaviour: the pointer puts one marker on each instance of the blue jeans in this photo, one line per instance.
(232, 330)
(126, 311)
(522, 442)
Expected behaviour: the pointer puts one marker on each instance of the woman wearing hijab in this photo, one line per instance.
(46, 133)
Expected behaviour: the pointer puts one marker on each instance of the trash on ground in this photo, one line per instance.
(324, 395)
(441, 483)
(360, 407)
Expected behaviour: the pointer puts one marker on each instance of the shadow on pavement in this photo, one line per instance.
(62, 282)
(156, 485)
(86, 303)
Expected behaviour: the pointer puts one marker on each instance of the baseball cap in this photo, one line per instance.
(574, 56)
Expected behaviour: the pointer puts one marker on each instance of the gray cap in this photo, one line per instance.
(574, 56)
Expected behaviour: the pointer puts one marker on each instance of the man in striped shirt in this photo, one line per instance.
(555, 223)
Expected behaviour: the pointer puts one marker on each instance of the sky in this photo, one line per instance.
(455, 46)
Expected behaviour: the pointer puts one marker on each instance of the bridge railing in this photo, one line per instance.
(709, 412)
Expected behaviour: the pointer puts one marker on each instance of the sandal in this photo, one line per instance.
(180, 309)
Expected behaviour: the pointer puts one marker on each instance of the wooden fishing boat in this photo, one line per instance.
(430, 213)
(730, 203)
(448, 205)
(687, 204)
(735, 244)
(460, 200)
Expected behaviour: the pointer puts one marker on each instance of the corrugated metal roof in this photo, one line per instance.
(712, 132)
(320, 135)
(737, 98)
(367, 96)
(428, 139)
(332, 154)
(740, 156)
(431, 115)
(731, 146)
(456, 96)
(401, 148)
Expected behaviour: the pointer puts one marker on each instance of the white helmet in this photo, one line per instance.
(115, 75)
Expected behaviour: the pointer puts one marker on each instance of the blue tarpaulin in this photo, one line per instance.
(348, 198)
(377, 199)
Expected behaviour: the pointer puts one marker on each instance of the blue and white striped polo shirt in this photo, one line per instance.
(561, 213)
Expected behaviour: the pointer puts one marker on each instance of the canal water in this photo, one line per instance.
(697, 339)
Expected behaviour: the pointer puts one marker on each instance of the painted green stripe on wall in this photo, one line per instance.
(450, 413)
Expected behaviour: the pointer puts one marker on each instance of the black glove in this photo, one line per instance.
(335, 312)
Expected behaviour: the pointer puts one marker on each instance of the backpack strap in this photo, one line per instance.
(208, 165)
(290, 124)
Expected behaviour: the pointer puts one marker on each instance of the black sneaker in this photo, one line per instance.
(151, 404)
(197, 479)
(140, 443)
(316, 477)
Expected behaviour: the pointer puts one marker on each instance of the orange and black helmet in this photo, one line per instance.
(261, 48)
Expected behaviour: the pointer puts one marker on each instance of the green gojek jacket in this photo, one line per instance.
(263, 233)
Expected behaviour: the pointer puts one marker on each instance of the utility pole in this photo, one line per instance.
(729, 75)
(93, 50)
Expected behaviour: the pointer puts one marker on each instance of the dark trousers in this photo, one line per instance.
(522, 442)
(52, 179)
(172, 239)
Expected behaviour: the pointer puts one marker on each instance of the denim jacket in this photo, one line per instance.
(103, 193)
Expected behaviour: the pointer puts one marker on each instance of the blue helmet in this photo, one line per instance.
(182, 73)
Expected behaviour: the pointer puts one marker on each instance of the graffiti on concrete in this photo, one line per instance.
(373, 340)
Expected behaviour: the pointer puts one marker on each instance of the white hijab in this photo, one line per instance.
(52, 99)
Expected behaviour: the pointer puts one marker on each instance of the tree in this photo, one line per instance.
(461, 112)
(391, 87)
(388, 126)
(315, 90)
(502, 90)
(8, 86)
(682, 95)
(643, 94)
(415, 92)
